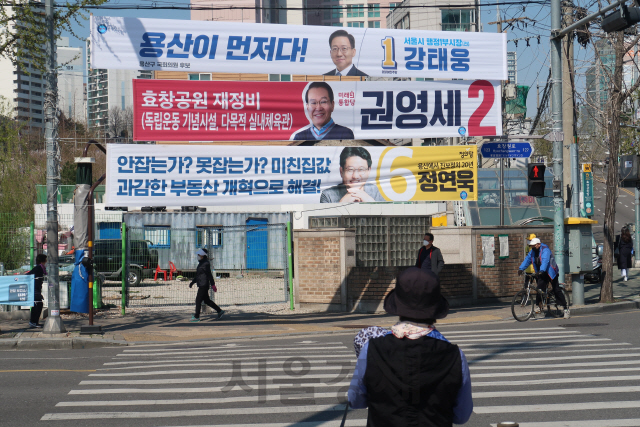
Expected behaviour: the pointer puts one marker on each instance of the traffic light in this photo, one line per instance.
(535, 179)
(621, 19)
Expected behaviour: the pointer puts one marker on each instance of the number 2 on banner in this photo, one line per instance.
(389, 46)
(389, 178)
(488, 96)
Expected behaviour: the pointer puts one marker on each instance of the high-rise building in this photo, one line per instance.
(512, 67)
(107, 89)
(21, 84)
(597, 85)
(335, 13)
(443, 17)
(71, 97)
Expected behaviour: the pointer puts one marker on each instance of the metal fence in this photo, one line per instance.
(16, 248)
(249, 263)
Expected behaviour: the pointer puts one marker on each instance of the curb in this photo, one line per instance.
(606, 308)
(57, 343)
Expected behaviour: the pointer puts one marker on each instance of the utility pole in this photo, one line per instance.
(502, 201)
(556, 118)
(53, 325)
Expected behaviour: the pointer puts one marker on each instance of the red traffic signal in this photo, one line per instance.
(536, 171)
(535, 179)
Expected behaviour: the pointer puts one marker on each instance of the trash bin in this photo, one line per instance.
(97, 291)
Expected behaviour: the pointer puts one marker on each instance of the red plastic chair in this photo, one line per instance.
(159, 270)
(172, 269)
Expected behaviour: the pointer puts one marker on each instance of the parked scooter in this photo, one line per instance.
(595, 276)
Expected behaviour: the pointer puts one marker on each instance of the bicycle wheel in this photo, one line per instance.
(522, 306)
(554, 306)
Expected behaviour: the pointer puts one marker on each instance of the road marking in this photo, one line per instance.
(554, 381)
(190, 413)
(351, 422)
(201, 380)
(181, 350)
(48, 370)
(296, 370)
(174, 390)
(541, 339)
(444, 330)
(590, 423)
(557, 365)
(343, 354)
(251, 351)
(514, 334)
(554, 392)
(256, 399)
(502, 346)
(542, 359)
(346, 361)
(553, 372)
(553, 407)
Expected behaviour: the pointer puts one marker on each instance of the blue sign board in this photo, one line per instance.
(16, 290)
(504, 149)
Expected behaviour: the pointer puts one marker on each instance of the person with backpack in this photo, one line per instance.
(429, 257)
(203, 279)
(625, 251)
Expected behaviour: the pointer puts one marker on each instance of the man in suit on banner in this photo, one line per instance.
(343, 50)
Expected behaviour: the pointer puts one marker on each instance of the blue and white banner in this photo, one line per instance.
(205, 46)
(17, 290)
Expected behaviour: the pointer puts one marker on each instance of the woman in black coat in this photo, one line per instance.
(625, 248)
(39, 271)
(203, 279)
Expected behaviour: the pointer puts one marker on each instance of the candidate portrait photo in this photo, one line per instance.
(342, 47)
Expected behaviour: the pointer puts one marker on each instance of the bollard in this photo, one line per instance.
(508, 424)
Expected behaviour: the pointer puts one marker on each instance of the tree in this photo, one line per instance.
(610, 52)
(28, 43)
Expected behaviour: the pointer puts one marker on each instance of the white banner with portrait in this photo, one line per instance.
(232, 47)
(207, 175)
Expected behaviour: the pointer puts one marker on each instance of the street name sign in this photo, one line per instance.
(505, 149)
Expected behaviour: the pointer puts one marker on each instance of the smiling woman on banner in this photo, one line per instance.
(320, 105)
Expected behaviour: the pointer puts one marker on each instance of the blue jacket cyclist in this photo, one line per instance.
(411, 375)
(544, 263)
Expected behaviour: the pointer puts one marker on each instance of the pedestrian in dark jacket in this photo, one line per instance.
(625, 249)
(411, 375)
(203, 279)
(39, 271)
(429, 257)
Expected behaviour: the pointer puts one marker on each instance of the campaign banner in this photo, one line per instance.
(17, 290)
(182, 110)
(207, 175)
(233, 47)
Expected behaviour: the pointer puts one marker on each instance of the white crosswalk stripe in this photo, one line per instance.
(203, 385)
(536, 374)
(575, 378)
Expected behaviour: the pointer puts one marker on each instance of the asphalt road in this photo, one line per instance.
(625, 207)
(581, 372)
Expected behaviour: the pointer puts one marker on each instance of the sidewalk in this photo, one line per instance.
(163, 326)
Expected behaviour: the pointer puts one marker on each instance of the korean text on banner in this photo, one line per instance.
(231, 47)
(178, 110)
(17, 290)
(205, 175)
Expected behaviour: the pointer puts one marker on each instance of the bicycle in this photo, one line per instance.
(522, 306)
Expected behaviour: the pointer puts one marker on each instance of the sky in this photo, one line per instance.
(533, 60)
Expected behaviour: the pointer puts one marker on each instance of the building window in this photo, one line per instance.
(337, 24)
(404, 23)
(355, 11)
(200, 76)
(279, 77)
(374, 10)
(393, 6)
(333, 13)
(208, 237)
(356, 24)
(374, 24)
(158, 235)
(457, 19)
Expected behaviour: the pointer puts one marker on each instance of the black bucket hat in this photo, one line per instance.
(417, 296)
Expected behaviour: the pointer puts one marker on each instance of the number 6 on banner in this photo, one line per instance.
(387, 176)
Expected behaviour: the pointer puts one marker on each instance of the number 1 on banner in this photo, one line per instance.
(389, 46)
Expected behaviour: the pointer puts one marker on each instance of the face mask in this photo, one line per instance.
(426, 242)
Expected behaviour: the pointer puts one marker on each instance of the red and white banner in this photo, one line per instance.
(178, 110)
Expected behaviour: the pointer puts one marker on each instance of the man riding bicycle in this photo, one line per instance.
(544, 264)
